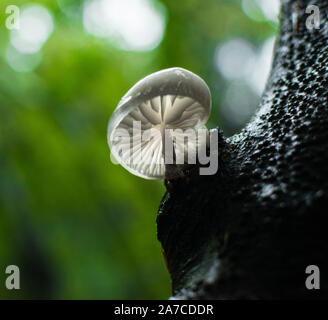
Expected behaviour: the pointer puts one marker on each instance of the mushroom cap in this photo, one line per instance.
(172, 98)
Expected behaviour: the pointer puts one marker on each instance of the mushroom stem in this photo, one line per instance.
(163, 127)
(162, 130)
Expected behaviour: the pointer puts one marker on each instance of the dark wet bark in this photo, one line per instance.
(251, 230)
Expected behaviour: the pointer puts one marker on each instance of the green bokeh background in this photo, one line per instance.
(77, 225)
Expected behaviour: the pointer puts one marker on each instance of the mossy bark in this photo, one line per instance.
(251, 230)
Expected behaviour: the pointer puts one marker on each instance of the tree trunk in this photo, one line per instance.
(251, 230)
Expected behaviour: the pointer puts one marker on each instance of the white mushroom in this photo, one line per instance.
(169, 99)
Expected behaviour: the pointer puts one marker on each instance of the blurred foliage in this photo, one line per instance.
(77, 225)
